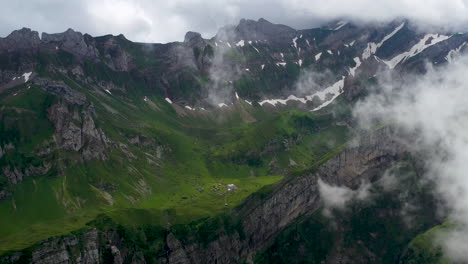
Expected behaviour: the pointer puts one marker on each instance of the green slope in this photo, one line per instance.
(202, 154)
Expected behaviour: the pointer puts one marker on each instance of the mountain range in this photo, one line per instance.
(219, 150)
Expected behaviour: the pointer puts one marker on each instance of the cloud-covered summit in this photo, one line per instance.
(164, 21)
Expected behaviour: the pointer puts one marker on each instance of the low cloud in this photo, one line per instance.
(165, 21)
(431, 111)
(336, 197)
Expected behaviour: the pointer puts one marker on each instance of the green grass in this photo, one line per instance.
(425, 249)
(202, 153)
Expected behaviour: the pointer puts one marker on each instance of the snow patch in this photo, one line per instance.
(307, 41)
(317, 57)
(240, 43)
(452, 54)
(168, 100)
(281, 64)
(109, 92)
(247, 69)
(263, 66)
(336, 89)
(340, 25)
(369, 50)
(427, 41)
(282, 55)
(222, 105)
(299, 62)
(372, 47)
(189, 108)
(26, 76)
(256, 49)
(330, 52)
(352, 43)
(229, 44)
(352, 71)
(391, 34)
(237, 96)
(295, 42)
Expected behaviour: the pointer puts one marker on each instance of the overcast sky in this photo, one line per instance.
(169, 20)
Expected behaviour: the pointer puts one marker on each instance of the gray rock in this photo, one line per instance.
(15, 175)
(264, 30)
(77, 131)
(194, 39)
(24, 39)
(71, 41)
(62, 90)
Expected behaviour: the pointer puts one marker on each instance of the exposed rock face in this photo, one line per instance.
(362, 162)
(261, 219)
(264, 30)
(118, 58)
(194, 39)
(15, 175)
(76, 131)
(62, 90)
(24, 39)
(71, 41)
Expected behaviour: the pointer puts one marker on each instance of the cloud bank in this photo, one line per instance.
(164, 21)
(432, 113)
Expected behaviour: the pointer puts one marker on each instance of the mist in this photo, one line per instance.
(431, 111)
(165, 21)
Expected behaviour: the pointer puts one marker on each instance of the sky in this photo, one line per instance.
(169, 20)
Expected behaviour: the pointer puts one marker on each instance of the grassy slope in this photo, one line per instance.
(424, 248)
(202, 152)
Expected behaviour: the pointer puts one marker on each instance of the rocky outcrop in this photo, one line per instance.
(62, 90)
(84, 248)
(15, 175)
(117, 57)
(71, 41)
(363, 161)
(75, 130)
(24, 40)
(6, 147)
(264, 30)
(194, 39)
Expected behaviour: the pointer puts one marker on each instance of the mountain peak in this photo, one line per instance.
(23, 39)
(194, 39)
(262, 29)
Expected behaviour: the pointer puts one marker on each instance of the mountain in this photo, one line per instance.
(209, 150)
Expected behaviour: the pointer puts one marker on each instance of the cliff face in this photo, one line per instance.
(261, 218)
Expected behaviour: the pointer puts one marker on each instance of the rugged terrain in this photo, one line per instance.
(209, 150)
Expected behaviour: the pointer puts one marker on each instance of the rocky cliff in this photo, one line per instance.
(261, 217)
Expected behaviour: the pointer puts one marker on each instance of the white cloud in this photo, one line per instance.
(337, 196)
(163, 21)
(432, 113)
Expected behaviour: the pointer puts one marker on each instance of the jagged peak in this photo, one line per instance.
(191, 35)
(66, 35)
(24, 33)
(262, 29)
